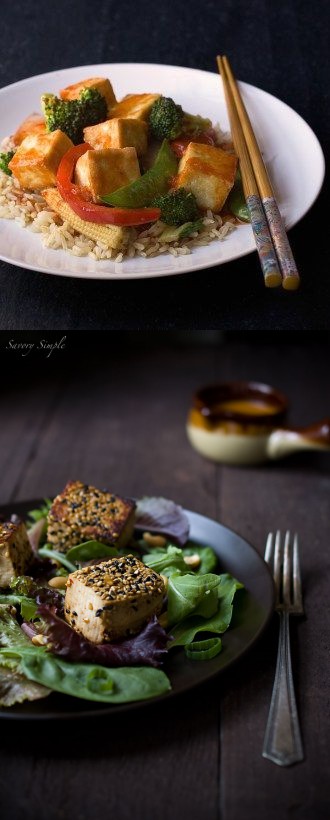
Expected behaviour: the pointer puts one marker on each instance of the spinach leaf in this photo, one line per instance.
(184, 633)
(28, 607)
(82, 680)
(188, 594)
(166, 561)
(55, 555)
(40, 512)
(12, 638)
(172, 559)
(90, 549)
(207, 555)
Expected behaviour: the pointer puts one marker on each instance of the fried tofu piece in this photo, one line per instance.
(134, 106)
(102, 85)
(113, 599)
(83, 513)
(37, 158)
(209, 173)
(33, 124)
(112, 236)
(118, 133)
(15, 551)
(101, 172)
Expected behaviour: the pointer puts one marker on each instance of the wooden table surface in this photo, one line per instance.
(117, 419)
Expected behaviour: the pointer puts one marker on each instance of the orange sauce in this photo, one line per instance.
(248, 407)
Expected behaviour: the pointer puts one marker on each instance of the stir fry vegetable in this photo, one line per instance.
(153, 183)
(89, 210)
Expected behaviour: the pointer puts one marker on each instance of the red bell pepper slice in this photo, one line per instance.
(102, 214)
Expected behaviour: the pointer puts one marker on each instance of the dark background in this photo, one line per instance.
(279, 46)
(115, 416)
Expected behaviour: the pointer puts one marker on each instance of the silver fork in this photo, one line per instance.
(282, 742)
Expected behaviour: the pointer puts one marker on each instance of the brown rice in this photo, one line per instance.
(31, 210)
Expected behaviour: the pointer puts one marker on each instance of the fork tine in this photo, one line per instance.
(286, 571)
(269, 548)
(277, 565)
(297, 594)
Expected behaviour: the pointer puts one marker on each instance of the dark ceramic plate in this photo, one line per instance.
(253, 608)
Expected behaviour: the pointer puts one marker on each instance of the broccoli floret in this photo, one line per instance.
(72, 116)
(4, 160)
(167, 120)
(177, 207)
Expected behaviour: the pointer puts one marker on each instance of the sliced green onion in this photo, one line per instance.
(203, 650)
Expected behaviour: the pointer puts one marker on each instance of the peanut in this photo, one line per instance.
(39, 640)
(154, 540)
(58, 582)
(192, 561)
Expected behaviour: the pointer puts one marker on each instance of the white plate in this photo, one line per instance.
(291, 150)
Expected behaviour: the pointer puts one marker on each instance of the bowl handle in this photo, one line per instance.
(285, 441)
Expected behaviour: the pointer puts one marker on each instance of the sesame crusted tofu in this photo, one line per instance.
(113, 599)
(15, 551)
(209, 173)
(83, 513)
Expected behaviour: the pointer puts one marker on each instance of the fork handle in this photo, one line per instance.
(282, 742)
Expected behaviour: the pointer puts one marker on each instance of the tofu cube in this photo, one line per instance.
(209, 173)
(102, 172)
(83, 513)
(36, 160)
(134, 106)
(102, 85)
(15, 551)
(118, 133)
(113, 599)
(33, 124)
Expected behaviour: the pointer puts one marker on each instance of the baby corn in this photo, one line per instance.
(113, 236)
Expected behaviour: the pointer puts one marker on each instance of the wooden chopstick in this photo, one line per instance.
(289, 271)
(267, 255)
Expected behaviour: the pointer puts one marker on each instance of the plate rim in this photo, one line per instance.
(99, 275)
(116, 709)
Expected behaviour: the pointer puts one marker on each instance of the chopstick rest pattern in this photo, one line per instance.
(288, 266)
(263, 241)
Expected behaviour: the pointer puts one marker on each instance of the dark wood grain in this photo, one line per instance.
(232, 296)
(117, 418)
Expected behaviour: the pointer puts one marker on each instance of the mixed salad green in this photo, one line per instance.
(41, 653)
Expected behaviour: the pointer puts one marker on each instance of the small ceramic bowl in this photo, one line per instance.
(244, 423)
